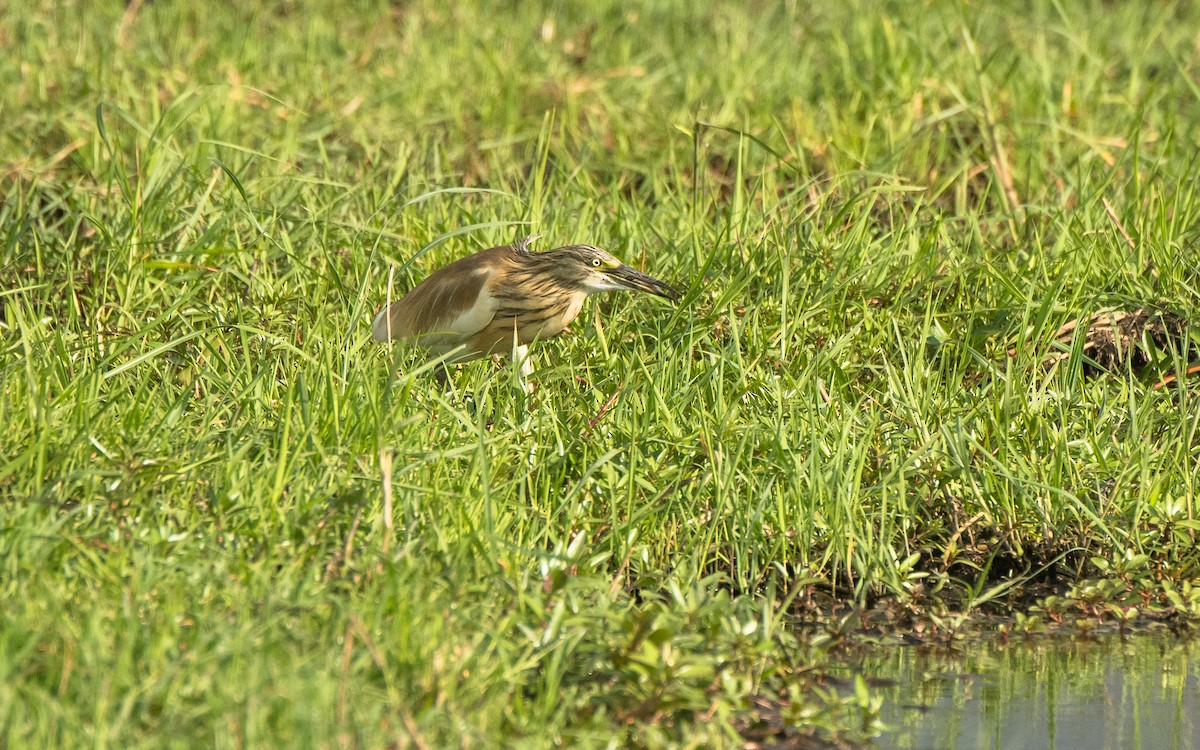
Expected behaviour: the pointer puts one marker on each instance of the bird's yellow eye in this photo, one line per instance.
(596, 262)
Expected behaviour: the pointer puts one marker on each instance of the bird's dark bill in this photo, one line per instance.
(635, 279)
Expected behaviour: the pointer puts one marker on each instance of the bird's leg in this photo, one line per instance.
(524, 367)
(442, 374)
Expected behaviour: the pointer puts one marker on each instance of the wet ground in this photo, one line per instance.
(1124, 693)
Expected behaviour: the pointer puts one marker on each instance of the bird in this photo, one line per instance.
(500, 300)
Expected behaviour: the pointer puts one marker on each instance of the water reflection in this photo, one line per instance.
(1124, 694)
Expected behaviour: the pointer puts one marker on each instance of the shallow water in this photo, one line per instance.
(1139, 692)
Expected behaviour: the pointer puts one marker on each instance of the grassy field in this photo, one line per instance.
(882, 212)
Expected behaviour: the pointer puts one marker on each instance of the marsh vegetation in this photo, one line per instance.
(229, 519)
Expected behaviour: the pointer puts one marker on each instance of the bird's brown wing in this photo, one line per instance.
(449, 307)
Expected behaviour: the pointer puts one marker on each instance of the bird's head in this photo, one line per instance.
(594, 270)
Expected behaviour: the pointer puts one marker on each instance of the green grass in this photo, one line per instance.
(869, 205)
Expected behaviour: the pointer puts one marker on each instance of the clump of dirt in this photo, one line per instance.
(1114, 337)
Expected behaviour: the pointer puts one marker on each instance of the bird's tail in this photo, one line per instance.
(381, 327)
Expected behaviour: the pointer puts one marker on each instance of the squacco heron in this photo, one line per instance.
(500, 300)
